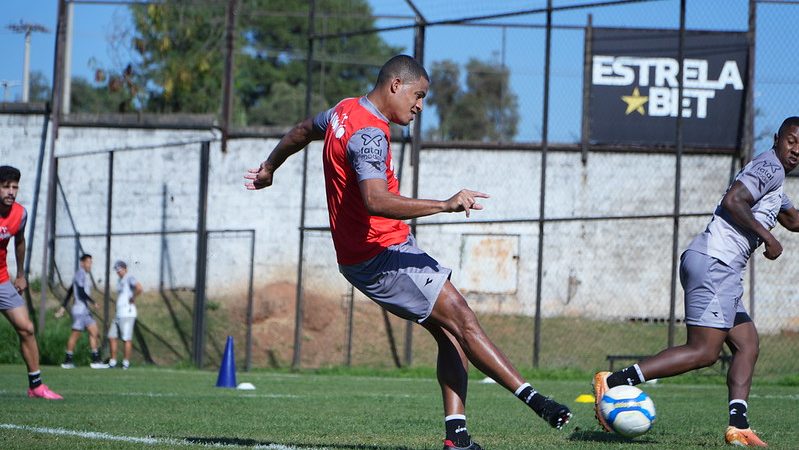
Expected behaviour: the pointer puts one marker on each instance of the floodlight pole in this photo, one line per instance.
(27, 29)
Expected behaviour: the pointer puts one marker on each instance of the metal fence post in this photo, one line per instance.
(202, 257)
(542, 198)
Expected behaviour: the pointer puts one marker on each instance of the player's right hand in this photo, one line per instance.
(261, 177)
(773, 249)
(59, 313)
(465, 200)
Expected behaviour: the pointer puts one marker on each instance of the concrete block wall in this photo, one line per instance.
(619, 268)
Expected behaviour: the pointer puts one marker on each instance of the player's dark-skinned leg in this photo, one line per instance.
(701, 349)
(451, 370)
(453, 314)
(744, 345)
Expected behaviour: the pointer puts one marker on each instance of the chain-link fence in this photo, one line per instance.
(124, 203)
(605, 225)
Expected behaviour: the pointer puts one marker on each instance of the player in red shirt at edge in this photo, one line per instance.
(12, 224)
(376, 251)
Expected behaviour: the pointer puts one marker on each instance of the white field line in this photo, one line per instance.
(94, 435)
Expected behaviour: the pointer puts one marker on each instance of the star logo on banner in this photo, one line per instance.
(635, 102)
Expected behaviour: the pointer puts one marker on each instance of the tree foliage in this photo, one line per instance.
(180, 46)
(484, 109)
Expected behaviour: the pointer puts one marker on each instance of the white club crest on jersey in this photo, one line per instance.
(338, 124)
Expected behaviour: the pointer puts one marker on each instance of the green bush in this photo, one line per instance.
(52, 343)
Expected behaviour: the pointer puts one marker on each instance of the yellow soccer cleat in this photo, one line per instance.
(600, 385)
(743, 438)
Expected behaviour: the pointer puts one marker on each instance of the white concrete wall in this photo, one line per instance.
(591, 268)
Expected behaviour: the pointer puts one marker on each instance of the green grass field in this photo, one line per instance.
(165, 408)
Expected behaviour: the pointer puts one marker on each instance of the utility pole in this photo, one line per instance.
(27, 29)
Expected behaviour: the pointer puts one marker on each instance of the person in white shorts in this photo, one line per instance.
(128, 288)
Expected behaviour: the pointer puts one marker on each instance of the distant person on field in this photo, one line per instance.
(711, 273)
(374, 247)
(82, 315)
(122, 327)
(12, 224)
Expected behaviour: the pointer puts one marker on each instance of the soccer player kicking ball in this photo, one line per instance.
(711, 273)
(12, 224)
(374, 247)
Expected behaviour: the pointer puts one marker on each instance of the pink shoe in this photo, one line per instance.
(42, 391)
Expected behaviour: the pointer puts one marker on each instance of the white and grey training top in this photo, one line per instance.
(126, 286)
(723, 239)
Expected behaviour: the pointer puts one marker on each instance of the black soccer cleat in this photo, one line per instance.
(556, 415)
(449, 445)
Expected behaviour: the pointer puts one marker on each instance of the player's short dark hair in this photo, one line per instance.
(8, 173)
(85, 256)
(792, 121)
(403, 67)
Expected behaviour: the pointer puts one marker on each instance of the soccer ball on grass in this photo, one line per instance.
(628, 410)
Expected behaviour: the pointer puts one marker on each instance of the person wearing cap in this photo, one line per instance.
(128, 288)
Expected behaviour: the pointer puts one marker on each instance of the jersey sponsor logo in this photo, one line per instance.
(338, 124)
(429, 280)
(655, 87)
(372, 147)
(368, 140)
(764, 171)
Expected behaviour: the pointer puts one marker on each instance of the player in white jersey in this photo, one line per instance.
(128, 288)
(81, 315)
(711, 273)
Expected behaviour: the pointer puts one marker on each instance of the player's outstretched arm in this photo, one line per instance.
(295, 140)
(380, 202)
(738, 202)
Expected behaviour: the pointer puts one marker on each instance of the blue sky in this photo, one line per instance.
(96, 26)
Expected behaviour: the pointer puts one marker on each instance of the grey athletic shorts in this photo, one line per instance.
(9, 297)
(122, 326)
(402, 279)
(81, 321)
(713, 291)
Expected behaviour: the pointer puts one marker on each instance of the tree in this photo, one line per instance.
(39, 87)
(88, 98)
(486, 110)
(180, 44)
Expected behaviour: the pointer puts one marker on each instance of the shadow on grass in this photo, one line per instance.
(254, 443)
(601, 436)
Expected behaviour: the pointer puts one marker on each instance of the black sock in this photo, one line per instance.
(35, 379)
(738, 417)
(95, 356)
(528, 395)
(455, 426)
(68, 357)
(629, 376)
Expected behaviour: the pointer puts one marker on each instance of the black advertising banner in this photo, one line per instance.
(634, 89)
